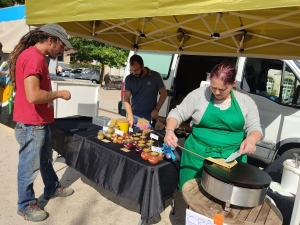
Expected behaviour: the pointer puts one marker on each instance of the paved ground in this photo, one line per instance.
(90, 204)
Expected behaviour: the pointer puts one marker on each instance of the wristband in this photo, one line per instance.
(169, 130)
(156, 109)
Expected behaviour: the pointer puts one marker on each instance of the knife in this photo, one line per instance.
(233, 156)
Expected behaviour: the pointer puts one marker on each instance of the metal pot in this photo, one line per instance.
(243, 185)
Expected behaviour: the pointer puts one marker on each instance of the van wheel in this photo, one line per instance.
(94, 82)
(292, 151)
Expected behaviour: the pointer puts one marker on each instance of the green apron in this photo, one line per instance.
(219, 133)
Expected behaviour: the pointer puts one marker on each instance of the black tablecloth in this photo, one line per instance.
(123, 173)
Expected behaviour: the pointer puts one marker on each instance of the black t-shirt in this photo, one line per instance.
(144, 92)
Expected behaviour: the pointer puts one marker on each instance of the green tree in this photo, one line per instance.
(9, 3)
(88, 50)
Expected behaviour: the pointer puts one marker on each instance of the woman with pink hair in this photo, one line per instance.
(223, 120)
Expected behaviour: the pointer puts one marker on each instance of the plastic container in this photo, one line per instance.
(290, 176)
(123, 124)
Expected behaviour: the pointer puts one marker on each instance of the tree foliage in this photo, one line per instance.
(9, 3)
(88, 50)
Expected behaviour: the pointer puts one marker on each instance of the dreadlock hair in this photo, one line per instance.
(29, 39)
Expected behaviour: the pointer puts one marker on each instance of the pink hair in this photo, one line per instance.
(224, 71)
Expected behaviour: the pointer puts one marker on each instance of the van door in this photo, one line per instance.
(274, 85)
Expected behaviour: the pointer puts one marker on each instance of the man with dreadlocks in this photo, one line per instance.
(33, 111)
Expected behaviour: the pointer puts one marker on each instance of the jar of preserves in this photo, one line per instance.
(161, 156)
(128, 144)
(149, 144)
(100, 135)
(146, 154)
(153, 158)
(143, 137)
(141, 142)
(139, 148)
(135, 141)
(120, 140)
(150, 141)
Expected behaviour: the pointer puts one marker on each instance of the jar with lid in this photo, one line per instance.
(153, 158)
(100, 135)
(146, 153)
(128, 144)
(120, 140)
(135, 141)
(143, 137)
(139, 148)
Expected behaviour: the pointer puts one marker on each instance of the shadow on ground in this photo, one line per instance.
(70, 176)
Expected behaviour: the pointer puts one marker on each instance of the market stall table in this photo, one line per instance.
(206, 205)
(123, 173)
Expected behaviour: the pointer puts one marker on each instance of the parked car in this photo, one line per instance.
(89, 74)
(65, 73)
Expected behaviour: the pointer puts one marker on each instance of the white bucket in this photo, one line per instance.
(290, 176)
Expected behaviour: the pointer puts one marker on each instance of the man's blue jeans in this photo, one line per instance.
(35, 154)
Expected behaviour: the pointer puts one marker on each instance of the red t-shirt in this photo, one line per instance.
(31, 61)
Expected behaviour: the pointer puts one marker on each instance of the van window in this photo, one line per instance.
(264, 77)
(158, 62)
(291, 88)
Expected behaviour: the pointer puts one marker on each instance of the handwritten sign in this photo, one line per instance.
(130, 129)
(155, 149)
(193, 218)
(153, 136)
(105, 129)
(119, 132)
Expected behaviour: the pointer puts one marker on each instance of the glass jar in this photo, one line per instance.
(153, 158)
(110, 130)
(149, 144)
(116, 128)
(120, 140)
(150, 141)
(141, 142)
(135, 141)
(161, 156)
(143, 137)
(108, 135)
(100, 135)
(146, 154)
(128, 144)
(113, 136)
(115, 139)
(139, 148)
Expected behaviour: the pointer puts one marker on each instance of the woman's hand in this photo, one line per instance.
(248, 146)
(170, 138)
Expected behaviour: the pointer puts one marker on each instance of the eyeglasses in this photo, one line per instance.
(135, 71)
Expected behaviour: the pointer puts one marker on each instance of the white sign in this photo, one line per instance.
(154, 136)
(119, 132)
(130, 129)
(155, 149)
(105, 129)
(193, 218)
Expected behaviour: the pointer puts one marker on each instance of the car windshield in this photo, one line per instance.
(297, 62)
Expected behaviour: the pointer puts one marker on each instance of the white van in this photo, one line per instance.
(272, 83)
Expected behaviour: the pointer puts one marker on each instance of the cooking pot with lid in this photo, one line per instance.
(242, 185)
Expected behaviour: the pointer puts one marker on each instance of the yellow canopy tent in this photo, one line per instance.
(254, 28)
